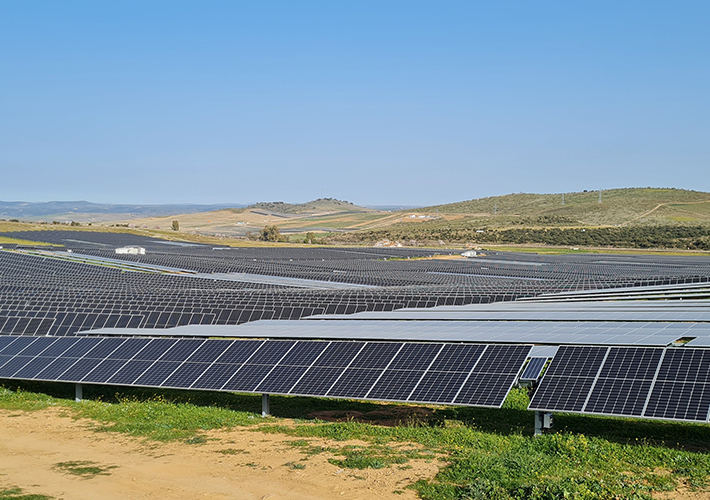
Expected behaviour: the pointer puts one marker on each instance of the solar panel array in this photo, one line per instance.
(40, 296)
(666, 383)
(461, 374)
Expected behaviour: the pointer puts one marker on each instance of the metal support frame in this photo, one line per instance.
(78, 393)
(265, 410)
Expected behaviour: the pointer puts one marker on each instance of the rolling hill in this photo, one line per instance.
(636, 206)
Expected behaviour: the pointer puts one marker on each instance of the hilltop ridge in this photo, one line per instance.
(318, 205)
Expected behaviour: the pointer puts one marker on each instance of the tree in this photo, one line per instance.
(310, 238)
(176, 226)
(270, 233)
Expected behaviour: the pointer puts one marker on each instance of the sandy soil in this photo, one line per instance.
(232, 464)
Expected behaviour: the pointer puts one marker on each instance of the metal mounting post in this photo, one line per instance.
(78, 393)
(265, 411)
(538, 423)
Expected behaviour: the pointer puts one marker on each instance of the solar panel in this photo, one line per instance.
(533, 369)
(493, 376)
(682, 386)
(568, 379)
(624, 381)
(669, 384)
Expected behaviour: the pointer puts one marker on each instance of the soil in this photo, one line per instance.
(38, 450)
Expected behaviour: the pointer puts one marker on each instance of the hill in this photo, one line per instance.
(637, 206)
(319, 205)
(84, 211)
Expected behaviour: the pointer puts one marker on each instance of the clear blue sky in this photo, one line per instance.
(375, 102)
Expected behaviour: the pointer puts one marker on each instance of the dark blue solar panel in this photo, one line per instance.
(271, 352)
(533, 370)
(31, 369)
(81, 347)
(157, 373)
(376, 355)
(485, 389)
(155, 350)
(129, 372)
(55, 369)
(339, 354)
(681, 390)
(129, 349)
(355, 383)
(4, 359)
(281, 379)
(505, 359)
(104, 371)
(304, 353)
(186, 375)
(182, 350)
(631, 363)
(60, 346)
(5, 341)
(568, 379)
(41, 344)
(106, 347)
(679, 400)
(573, 361)
(8, 369)
(247, 378)
(395, 384)
(438, 387)
(210, 351)
(79, 370)
(618, 397)
(18, 345)
(238, 352)
(317, 381)
(457, 358)
(415, 356)
(216, 376)
(624, 381)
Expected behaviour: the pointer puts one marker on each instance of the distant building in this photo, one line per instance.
(133, 250)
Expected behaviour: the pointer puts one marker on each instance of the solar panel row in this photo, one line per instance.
(666, 383)
(460, 374)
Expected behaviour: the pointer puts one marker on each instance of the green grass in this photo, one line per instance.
(483, 453)
(12, 493)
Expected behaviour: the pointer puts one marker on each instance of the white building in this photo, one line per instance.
(133, 250)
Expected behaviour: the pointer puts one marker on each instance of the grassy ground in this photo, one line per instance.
(4, 240)
(487, 454)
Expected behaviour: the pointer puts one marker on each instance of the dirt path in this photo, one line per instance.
(232, 464)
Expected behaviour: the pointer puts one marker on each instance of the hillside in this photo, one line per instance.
(84, 211)
(319, 205)
(618, 207)
(321, 215)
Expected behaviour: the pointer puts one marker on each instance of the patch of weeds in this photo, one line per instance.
(295, 465)
(405, 467)
(196, 440)
(251, 464)
(232, 451)
(359, 461)
(85, 469)
(13, 493)
(19, 399)
(299, 443)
